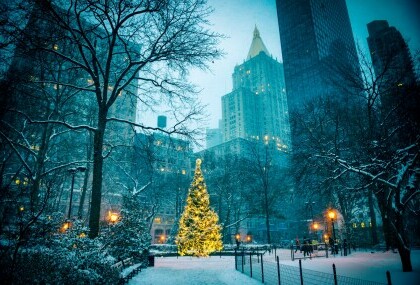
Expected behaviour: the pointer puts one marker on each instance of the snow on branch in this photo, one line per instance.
(85, 127)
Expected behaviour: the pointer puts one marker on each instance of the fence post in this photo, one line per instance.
(335, 274)
(236, 260)
(326, 249)
(275, 252)
(292, 253)
(388, 277)
(243, 253)
(250, 263)
(278, 270)
(300, 271)
(262, 269)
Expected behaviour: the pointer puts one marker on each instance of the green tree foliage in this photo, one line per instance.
(199, 231)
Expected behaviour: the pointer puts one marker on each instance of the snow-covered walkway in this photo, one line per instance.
(192, 271)
(216, 270)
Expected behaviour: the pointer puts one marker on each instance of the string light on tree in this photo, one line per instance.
(199, 231)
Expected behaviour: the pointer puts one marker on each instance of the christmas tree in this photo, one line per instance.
(199, 231)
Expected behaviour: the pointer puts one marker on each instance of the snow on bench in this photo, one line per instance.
(127, 269)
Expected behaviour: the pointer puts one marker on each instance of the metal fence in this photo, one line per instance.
(271, 272)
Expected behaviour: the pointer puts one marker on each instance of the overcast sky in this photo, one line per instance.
(236, 19)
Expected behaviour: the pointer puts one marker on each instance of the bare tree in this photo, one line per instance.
(386, 146)
(118, 46)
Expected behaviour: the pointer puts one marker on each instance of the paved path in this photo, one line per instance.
(192, 271)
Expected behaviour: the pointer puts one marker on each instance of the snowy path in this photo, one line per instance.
(192, 271)
(219, 271)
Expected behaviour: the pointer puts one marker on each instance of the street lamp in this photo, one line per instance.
(248, 238)
(238, 240)
(331, 214)
(310, 205)
(162, 239)
(113, 217)
(73, 172)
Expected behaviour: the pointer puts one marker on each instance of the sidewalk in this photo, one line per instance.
(192, 271)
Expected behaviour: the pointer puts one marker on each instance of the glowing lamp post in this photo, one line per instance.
(238, 240)
(113, 217)
(315, 227)
(73, 172)
(331, 214)
(248, 238)
(66, 225)
(162, 239)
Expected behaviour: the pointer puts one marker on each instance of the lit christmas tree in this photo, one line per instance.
(199, 231)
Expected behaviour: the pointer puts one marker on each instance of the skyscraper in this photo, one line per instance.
(391, 61)
(313, 34)
(257, 106)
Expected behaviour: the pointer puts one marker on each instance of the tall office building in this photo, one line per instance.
(257, 106)
(391, 61)
(314, 35)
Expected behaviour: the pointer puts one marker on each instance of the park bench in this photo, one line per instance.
(127, 269)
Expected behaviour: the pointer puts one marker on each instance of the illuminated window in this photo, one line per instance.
(90, 81)
(248, 71)
(183, 171)
(354, 225)
(158, 220)
(55, 47)
(362, 225)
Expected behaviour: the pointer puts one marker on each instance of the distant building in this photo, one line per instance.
(214, 136)
(312, 34)
(391, 61)
(256, 109)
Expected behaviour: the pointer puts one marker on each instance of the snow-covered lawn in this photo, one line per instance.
(216, 270)
(367, 266)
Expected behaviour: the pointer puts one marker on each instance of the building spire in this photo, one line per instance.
(257, 45)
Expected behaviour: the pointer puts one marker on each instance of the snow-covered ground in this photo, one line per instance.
(192, 270)
(216, 270)
(367, 266)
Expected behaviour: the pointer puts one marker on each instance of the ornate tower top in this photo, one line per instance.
(257, 45)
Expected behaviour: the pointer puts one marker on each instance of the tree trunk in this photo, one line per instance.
(267, 215)
(98, 161)
(372, 215)
(405, 256)
(402, 243)
(86, 178)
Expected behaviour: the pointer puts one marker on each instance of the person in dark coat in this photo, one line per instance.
(297, 244)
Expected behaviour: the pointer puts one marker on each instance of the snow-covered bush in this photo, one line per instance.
(69, 257)
(128, 238)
